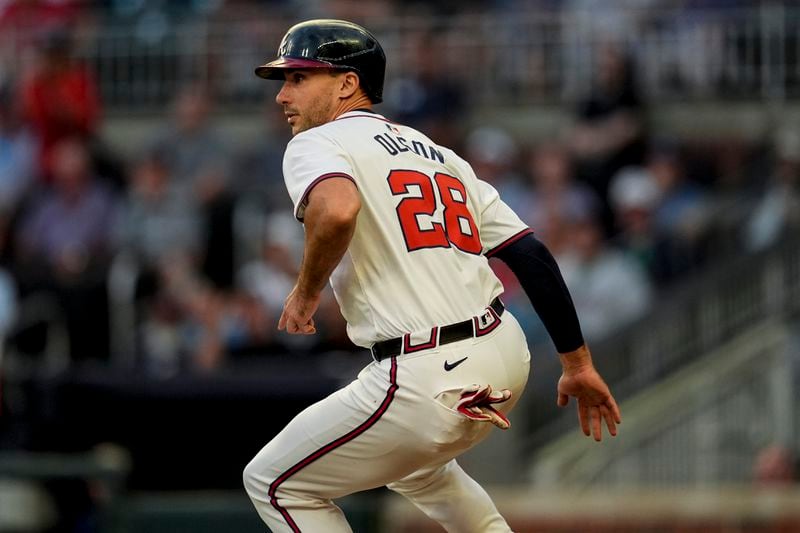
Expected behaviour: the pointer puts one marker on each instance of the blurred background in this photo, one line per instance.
(147, 244)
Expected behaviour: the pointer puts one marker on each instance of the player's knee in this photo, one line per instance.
(254, 480)
(247, 475)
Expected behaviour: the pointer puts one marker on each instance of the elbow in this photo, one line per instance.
(336, 216)
(349, 211)
(343, 216)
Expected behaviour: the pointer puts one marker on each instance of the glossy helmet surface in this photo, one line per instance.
(328, 43)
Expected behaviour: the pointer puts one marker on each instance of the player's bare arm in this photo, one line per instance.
(330, 220)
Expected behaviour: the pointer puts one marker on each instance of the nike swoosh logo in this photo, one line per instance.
(450, 366)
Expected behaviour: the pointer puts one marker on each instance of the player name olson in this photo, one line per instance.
(395, 145)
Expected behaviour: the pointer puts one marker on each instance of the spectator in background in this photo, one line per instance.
(681, 217)
(64, 244)
(191, 145)
(59, 98)
(22, 22)
(422, 97)
(191, 326)
(8, 286)
(158, 336)
(634, 197)
(258, 184)
(270, 277)
(209, 328)
(17, 172)
(493, 153)
(259, 168)
(351, 10)
(548, 207)
(157, 221)
(28, 16)
(777, 212)
(556, 196)
(609, 288)
(609, 131)
(699, 30)
(18, 151)
(198, 161)
(267, 280)
(733, 169)
(157, 225)
(171, 330)
(774, 466)
(603, 19)
(256, 25)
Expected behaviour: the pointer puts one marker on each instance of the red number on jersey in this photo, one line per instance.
(459, 229)
(410, 208)
(457, 217)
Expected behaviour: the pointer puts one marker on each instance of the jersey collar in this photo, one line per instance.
(360, 113)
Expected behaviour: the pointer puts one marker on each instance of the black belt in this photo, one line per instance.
(446, 334)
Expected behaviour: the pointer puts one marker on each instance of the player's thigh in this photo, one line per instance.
(353, 440)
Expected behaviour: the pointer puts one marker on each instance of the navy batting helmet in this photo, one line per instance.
(327, 43)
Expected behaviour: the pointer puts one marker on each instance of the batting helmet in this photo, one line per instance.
(327, 43)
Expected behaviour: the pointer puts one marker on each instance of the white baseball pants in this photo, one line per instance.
(392, 426)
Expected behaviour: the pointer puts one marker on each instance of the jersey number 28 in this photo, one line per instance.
(459, 227)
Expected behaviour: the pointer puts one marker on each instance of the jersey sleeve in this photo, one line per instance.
(309, 159)
(499, 224)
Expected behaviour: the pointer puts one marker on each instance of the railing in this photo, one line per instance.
(624, 510)
(703, 315)
(497, 58)
(704, 425)
(25, 505)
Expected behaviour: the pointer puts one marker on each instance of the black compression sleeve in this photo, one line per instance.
(538, 273)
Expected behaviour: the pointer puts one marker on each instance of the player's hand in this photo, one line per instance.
(298, 312)
(595, 402)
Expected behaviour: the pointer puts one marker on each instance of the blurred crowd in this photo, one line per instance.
(193, 241)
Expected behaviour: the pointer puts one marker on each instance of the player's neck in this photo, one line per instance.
(361, 102)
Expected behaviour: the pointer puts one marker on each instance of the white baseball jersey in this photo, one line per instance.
(416, 259)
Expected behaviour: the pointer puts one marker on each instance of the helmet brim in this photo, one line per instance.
(274, 69)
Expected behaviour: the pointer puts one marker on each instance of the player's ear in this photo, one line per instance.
(349, 83)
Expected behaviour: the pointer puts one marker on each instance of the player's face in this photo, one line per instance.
(308, 98)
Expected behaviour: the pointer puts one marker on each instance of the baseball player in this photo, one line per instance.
(403, 228)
